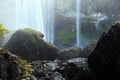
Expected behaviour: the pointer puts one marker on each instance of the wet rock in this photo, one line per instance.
(29, 78)
(88, 49)
(8, 65)
(81, 62)
(69, 53)
(44, 70)
(29, 44)
(105, 58)
(39, 73)
(71, 71)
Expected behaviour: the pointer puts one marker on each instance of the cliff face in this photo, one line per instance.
(96, 17)
(105, 58)
(104, 6)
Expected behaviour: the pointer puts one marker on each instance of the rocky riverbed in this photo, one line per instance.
(58, 69)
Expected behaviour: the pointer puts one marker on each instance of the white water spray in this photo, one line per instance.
(78, 25)
(35, 14)
(49, 19)
(29, 14)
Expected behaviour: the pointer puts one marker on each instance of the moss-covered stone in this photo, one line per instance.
(29, 44)
(32, 32)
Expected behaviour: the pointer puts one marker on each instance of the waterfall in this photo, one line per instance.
(35, 14)
(78, 25)
(48, 12)
(29, 14)
(98, 17)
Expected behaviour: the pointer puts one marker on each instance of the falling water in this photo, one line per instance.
(29, 14)
(35, 14)
(98, 17)
(78, 27)
(49, 19)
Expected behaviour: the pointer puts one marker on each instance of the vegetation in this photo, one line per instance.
(32, 31)
(22, 62)
(65, 36)
(3, 30)
(25, 68)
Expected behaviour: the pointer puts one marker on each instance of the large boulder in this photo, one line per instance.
(69, 53)
(104, 61)
(29, 44)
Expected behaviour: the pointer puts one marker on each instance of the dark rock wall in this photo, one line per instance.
(109, 8)
(104, 60)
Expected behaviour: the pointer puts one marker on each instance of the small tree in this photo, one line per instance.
(3, 31)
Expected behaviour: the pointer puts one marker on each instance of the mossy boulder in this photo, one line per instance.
(29, 44)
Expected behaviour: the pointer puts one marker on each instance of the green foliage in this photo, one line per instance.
(22, 62)
(3, 30)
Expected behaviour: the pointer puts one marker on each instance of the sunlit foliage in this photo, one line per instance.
(25, 67)
(3, 30)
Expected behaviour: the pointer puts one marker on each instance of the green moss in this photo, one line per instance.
(31, 31)
(33, 35)
(65, 35)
